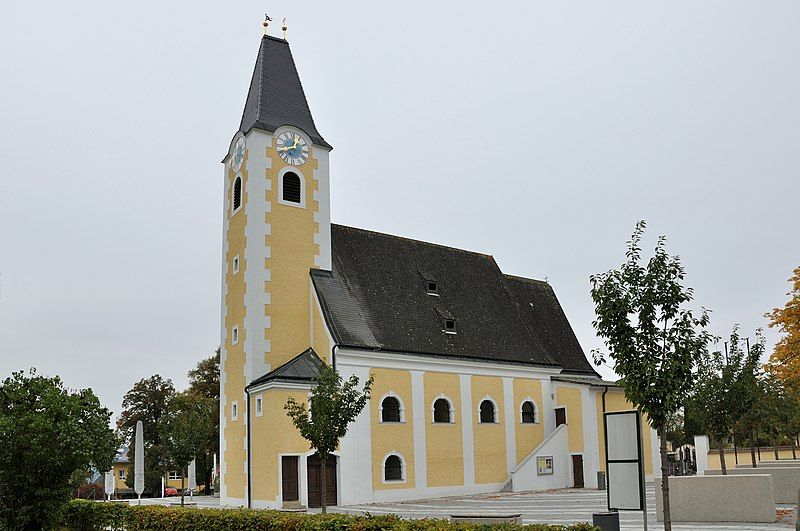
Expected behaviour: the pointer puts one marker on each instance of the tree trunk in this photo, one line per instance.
(753, 452)
(183, 476)
(775, 449)
(665, 480)
(721, 448)
(794, 448)
(324, 487)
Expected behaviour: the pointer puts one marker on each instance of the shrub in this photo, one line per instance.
(89, 515)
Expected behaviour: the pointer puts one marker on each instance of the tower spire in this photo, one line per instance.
(284, 28)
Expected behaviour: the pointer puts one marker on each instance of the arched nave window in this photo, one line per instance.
(390, 409)
(393, 469)
(442, 412)
(488, 413)
(528, 412)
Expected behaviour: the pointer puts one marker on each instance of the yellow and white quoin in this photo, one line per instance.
(476, 373)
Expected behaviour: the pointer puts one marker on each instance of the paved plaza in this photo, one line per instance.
(555, 507)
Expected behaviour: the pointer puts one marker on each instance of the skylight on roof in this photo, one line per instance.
(450, 326)
(432, 287)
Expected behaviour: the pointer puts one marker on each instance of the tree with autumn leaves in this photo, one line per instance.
(785, 360)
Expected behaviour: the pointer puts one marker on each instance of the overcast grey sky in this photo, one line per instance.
(538, 132)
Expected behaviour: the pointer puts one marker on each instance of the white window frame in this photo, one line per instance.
(536, 419)
(452, 410)
(402, 409)
(403, 474)
(496, 410)
(259, 405)
(173, 475)
(233, 191)
(284, 171)
(235, 265)
(234, 411)
(235, 335)
(123, 474)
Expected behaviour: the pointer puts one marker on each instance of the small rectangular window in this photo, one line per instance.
(433, 288)
(235, 335)
(235, 411)
(259, 406)
(450, 326)
(235, 264)
(122, 474)
(174, 475)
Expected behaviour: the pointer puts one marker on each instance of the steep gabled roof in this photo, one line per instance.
(376, 298)
(540, 306)
(302, 368)
(276, 96)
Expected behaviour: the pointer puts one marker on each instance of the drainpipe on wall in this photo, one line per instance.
(247, 431)
(333, 356)
(605, 390)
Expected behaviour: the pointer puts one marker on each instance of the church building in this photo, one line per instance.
(480, 384)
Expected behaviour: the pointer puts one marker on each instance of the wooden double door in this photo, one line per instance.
(314, 466)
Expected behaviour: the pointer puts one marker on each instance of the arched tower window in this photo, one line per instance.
(292, 188)
(237, 193)
(488, 413)
(390, 409)
(528, 412)
(442, 411)
(393, 468)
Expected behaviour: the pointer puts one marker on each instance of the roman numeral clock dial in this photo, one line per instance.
(292, 148)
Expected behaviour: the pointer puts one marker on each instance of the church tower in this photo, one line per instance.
(276, 228)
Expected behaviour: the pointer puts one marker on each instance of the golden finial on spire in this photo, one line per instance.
(283, 28)
(267, 20)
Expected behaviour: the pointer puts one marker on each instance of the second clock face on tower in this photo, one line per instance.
(292, 148)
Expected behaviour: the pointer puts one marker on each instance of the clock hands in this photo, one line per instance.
(290, 148)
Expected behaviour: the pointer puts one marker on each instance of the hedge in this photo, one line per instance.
(88, 515)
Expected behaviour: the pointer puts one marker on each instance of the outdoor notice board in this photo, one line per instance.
(624, 461)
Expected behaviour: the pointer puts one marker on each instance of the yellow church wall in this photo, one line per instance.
(616, 401)
(570, 398)
(273, 434)
(292, 252)
(443, 442)
(528, 436)
(391, 437)
(119, 482)
(489, 439)
(234, 361)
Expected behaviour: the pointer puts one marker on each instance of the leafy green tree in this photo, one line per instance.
(204, 382)
(653, 340)
(333, 405)
(47, 434)
(185, 430)
(147, 401)
(726, 388)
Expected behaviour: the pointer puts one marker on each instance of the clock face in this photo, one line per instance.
(238, 153)
(292, 148)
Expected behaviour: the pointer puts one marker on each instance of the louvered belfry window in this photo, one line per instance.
(528, 412)
(441, 410)
(487, 412)
(237, 193)
(291, 188)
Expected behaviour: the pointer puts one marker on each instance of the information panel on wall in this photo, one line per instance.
(624, 461)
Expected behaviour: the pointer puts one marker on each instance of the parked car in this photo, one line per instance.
(170, 491)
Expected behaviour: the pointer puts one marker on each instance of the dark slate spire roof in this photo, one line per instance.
(302, 368)
(276, 96)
